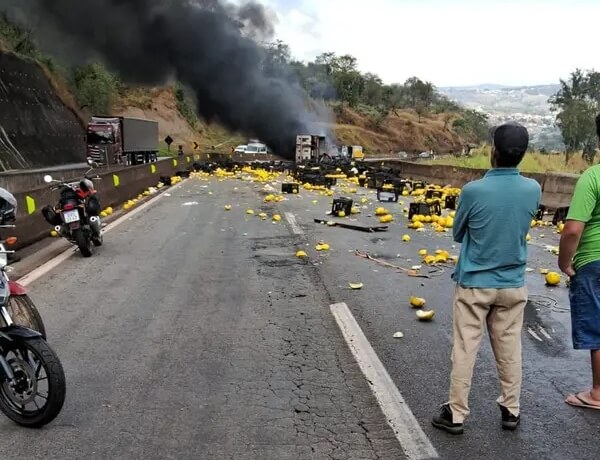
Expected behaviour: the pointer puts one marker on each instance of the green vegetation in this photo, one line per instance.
(577, 103)
(533, 162)
(94, 87)
(337, 81)
(185, 105)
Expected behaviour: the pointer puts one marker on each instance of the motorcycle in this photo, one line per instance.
(76, 217)
(18, 304)
(32, 379)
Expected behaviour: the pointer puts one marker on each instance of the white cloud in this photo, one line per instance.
(448, 42)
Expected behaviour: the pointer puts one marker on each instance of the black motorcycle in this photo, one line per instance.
(32, 380)
(77, 214)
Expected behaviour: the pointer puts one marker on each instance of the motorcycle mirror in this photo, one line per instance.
(48, 178)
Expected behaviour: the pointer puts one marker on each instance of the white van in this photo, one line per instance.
(257, 148)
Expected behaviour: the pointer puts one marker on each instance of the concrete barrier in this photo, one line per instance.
(557, 189)
(115, 187)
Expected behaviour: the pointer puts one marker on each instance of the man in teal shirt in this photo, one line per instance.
(492, 221)
(579, 258)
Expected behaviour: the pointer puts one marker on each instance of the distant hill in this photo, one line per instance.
(526, 104)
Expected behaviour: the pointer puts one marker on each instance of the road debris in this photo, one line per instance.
(368, 229)
(409, 272)
(398, 335)
(417, 302)
(356, 286)
(423, 315)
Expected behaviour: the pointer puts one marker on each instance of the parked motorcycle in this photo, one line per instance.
(77, 214)
(18, 304)
(32, 380)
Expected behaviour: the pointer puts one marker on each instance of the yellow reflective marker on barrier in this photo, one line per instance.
(116, 180)
(188, 159)
(153, 169)
(30, 202)
(208, 156)
(175, 162)
(196, 157)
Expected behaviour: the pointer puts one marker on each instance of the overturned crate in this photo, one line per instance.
(387, 195)
(342, 205)
(424, 209)
(290, 187)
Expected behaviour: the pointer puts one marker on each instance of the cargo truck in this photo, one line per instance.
(122, 140)
(310, 148)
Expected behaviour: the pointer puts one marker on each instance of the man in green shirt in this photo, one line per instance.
(580, 259)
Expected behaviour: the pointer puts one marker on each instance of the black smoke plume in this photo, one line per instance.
(208, 45)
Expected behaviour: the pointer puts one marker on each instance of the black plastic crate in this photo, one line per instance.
(387, 195)
(290, 187)
(424, 209)
(560, 215)
(541, 211)
(342, 204)
(450, 202)
(433, 194)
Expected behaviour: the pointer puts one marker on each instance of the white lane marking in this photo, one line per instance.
(56, 261)
(414, 441)
(293, 223)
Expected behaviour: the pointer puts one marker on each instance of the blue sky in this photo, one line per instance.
(450, 43)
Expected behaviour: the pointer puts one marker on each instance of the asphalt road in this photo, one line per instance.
(196, 333)
(192, 334)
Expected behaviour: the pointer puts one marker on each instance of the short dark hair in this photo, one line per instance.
(598, 125)
(511, 141)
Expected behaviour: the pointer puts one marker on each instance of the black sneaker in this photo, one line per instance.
(509, 421)
(444, 421)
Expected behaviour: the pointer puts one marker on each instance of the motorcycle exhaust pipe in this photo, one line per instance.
(58, 229)
(95, 224)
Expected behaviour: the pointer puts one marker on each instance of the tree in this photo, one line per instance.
(276, 60)
(577, 103)
(94, 87)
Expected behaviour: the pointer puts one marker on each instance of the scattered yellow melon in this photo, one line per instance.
(417, 302)
(381, 211)
(276, 218)
(227, 207)
(423, 252)
(109, 210)
(263, 215)
(322, 247)
(301, 254)
(386, 219)
(406, 238)
(53, 233)
(250, 212)
(553, 279)
(355, 286)
(103, 214)
(341, 214)
(423, 315)
(355, 210)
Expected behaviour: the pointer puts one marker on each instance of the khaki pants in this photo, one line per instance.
(502, 310)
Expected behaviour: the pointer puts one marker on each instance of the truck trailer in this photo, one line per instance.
(122, 140)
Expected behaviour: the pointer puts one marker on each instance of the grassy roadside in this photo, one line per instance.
(533, 162)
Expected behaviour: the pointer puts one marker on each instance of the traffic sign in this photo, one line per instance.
(196, 145)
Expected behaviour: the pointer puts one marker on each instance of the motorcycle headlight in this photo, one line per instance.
(3, 260)
(4, 289)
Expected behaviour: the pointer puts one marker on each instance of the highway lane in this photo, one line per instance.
(420, 362)
(195, 333)
(200, 335)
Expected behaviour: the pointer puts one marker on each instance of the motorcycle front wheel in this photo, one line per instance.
(83, 242)
(24, 313)
(37, 394)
